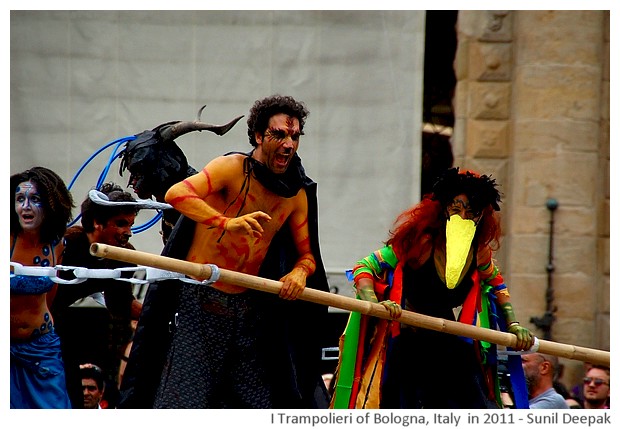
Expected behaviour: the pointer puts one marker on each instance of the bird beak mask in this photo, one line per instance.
(459, 235)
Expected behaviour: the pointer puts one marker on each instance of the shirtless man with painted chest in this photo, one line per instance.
(234, 229)
(218, 357)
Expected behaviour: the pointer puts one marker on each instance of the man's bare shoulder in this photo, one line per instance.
(236, 158)
(231, 162)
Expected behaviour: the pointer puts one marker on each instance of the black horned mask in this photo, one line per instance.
(154, 160)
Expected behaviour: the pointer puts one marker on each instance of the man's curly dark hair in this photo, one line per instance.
(56, 198)
(264, 109)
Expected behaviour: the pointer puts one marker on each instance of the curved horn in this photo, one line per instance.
(177, 129)
(200, 112)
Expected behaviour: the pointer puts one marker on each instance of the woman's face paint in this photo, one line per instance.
(459, 235)
(28, 206)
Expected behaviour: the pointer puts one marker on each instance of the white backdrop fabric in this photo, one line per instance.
(82, 79)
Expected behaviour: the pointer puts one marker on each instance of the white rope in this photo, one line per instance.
(101, 198)
(142, 274)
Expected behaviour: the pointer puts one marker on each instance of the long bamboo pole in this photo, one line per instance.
(203, 271)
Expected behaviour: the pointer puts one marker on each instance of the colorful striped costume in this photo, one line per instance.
(430, 369)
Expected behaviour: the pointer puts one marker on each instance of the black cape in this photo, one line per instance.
(296, 365)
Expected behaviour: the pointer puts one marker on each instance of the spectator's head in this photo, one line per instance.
(596, 387)
(92, 384)
(539, 370)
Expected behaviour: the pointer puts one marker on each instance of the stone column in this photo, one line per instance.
(532, 109)
(483, 98)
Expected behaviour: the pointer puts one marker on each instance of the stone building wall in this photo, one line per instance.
(532, 109)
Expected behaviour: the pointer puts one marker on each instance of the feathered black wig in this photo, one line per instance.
(480, 189)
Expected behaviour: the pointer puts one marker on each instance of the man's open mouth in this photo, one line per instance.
(282, 160)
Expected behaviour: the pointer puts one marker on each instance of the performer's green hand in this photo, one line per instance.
(366, 291)
(525, 339)
(394, 308)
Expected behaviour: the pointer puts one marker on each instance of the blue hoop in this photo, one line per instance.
(106, 169)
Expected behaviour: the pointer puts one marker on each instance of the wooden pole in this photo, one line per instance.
(203, 271)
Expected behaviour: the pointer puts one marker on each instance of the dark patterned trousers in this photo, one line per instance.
(213, 361)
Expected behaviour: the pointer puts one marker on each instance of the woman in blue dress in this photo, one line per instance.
(40, 210)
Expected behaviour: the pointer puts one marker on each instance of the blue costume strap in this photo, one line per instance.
(517, 377)
(515, 367)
